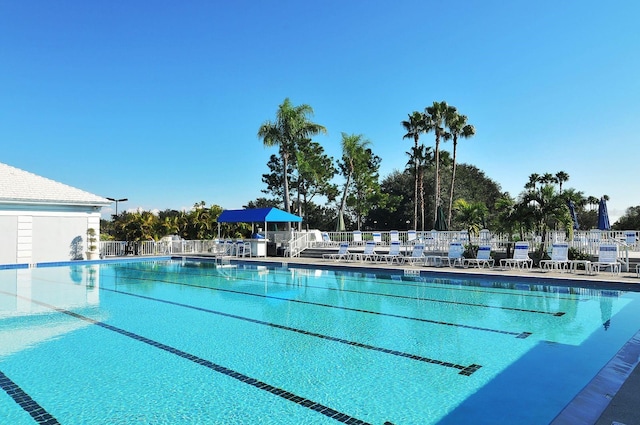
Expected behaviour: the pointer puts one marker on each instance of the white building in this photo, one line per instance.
(42, 220)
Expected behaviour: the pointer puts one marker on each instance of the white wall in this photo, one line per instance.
(28, 237)
(8, 238)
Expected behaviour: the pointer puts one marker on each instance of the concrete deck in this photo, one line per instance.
(612, 397)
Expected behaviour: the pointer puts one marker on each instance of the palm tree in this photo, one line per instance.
(419, 157)
(561, 177)
(458, 127)
(353, 147)
(548, 178)
(291, 127)
(434, 118)
(471, 215)
(414, 126)
(533, 179)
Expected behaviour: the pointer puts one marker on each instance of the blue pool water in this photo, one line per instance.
(165, 342)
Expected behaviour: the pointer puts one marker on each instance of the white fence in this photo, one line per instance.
(585, 241)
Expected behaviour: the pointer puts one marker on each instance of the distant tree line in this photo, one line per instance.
(302, 179)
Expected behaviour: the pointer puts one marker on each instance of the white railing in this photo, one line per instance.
(294, 243)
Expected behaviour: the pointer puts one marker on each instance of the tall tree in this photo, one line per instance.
(419, 158)
(458, 127)
(360, 167)
(314, 172)
(561, 177)
(415, 126)
(434, 118)
(290, 128)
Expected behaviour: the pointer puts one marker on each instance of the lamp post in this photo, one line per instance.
(116, 201)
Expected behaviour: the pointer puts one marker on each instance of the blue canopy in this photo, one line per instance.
(258, 215)
(603, 216)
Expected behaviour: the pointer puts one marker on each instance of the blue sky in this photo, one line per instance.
(160, 102)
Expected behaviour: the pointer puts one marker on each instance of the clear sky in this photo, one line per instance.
(160, 101)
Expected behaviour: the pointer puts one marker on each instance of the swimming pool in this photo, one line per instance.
(193, 342)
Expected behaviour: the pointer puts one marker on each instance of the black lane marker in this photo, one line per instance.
(357, 310)
(25, 401)
(305, 402)
(353, 291)
(464, 369)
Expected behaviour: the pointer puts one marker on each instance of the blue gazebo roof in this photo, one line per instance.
(258, 215)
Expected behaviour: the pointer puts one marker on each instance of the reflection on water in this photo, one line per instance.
(29, 297)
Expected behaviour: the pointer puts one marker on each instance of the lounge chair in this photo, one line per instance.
(483, 258)
(417, 254)
(394, 236)
(393, 255)
(369, 253)
(607, 259)
(357, 237)
(520, 258)
(453, 258)
(559, 257)
(377, 237)
(326, 240)
(342, 254)
(412, 236)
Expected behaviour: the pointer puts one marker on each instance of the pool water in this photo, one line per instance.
(166, 342)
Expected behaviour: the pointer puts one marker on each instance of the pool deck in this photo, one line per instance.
(612, 397)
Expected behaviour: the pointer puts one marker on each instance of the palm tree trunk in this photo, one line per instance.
(453, 179)
(287, 204)
(415, 188)
(437, 190)
(422, 197)
(343, 202)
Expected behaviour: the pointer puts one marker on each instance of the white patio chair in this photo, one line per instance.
(453, 257)
(326, 240)
(243, 249)
(369, 253)
(357, 237)
(377, 237)
(394, 236)
(483, 258)
(393, 255)
(559, 257)
(417, 254)
(607, 259)
(520, 258)
(342, 254)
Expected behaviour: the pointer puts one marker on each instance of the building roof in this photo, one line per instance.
(21, 187)
(258, 215)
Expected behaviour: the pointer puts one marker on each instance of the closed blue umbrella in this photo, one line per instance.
(603, 216)
(574, 215)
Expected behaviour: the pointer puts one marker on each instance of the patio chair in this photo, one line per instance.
(357, 237)
(393, 255)
(394, 236)
(559, 258)
(369, 253)
(326, 240)
(607, 259)
(483, 258)
(243, 249)
(377, 237)
(342, 254)
(412, 236)
(453, 258)
(520, 258)
(417, 254)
